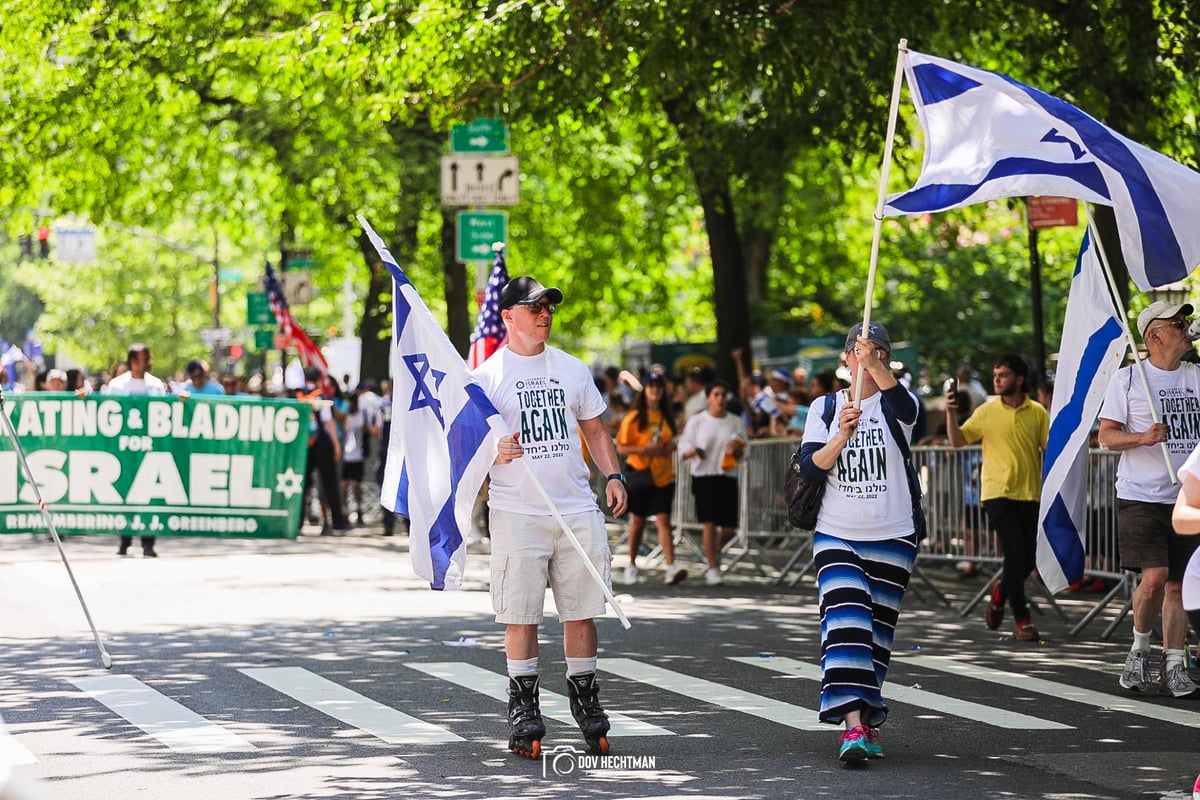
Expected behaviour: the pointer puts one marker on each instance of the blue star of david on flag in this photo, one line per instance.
(433, 472)
(424, 396)
(988, 136)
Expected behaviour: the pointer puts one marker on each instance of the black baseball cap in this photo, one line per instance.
(527, 290)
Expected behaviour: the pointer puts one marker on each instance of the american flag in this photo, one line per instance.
(489, 330)
(310, 354)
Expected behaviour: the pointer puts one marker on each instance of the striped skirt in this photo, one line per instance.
(861, 585)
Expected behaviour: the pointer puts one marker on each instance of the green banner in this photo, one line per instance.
(161, 466)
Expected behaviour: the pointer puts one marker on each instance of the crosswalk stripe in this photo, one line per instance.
(998, 717)
(798, 717)
(352, 708)
(12, 751)
(176, 726)
(1015, 680)
(555, 706)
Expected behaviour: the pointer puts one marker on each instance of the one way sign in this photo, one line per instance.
(480, 180)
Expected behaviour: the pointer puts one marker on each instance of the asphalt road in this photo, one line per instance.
(323, 668)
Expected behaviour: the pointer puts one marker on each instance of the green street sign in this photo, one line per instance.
(264, 340)
(258, 309)
(480, 136)
(477, 232)
(299, 259)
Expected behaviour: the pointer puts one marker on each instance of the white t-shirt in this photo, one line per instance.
(125, 383)
(352, 438)
(542, 398)
(1191, 576)
(711, 434)
(1142, 473)
(867, 498)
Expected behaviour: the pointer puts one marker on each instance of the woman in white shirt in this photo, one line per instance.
(865, 542)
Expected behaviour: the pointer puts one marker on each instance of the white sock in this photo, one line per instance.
(1172, 657)
(578, 666)
(522, 666)
(1141, 641)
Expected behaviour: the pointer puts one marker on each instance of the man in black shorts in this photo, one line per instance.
(1146, 491)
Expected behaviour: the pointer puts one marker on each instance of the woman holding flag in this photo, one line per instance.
(865, 542)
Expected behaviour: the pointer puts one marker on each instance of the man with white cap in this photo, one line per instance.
(1145, 492)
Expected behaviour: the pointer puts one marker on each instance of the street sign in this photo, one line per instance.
(298, 259)
(480, 136)
(264, 339)
(258, 309)
(215, 336)
(480, 180)
(1047, 211)
(477, 232)
(297, 287)
(75, 246)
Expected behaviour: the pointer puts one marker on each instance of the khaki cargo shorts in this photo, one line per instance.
(531, 552)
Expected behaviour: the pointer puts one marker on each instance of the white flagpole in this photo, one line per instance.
(901, 61)
(1123, 316)
(562, 523)
(105, 658)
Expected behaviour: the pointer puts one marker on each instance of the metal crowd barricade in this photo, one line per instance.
(958, 530)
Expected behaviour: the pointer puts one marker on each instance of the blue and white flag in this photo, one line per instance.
(443, 439)
(1093, 346)
(988, 136)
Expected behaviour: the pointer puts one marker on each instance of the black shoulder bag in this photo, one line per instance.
(910, 471)
(803, 497)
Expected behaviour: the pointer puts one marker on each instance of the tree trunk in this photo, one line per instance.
(457, 288)
(725, 243)
(729, 281)
(375, 331)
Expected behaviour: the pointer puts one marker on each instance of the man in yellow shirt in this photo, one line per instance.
(1013, 430)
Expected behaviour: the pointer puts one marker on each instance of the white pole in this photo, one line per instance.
(105, 658)
(902, 50)
(1124, 318)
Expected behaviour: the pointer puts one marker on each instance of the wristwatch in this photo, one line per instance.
(616, 476)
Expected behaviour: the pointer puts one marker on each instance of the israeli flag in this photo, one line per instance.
(444, 433)
(1093, 346)
(988, 136)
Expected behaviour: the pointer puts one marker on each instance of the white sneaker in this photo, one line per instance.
(712, 577)
(675, 574)
(631, 573)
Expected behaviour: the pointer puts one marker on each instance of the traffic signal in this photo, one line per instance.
(43, 235)
(26, 242)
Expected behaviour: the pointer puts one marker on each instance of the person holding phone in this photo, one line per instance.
(1014, 430)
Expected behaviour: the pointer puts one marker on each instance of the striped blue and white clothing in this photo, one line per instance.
(861, 585)
(864, 549)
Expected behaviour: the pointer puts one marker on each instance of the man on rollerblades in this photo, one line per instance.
(548, 399)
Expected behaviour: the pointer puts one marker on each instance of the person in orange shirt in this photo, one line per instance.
(647, 439)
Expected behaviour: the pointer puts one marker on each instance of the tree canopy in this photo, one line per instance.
(689, 171)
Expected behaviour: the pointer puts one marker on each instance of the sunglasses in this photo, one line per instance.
(537, 308)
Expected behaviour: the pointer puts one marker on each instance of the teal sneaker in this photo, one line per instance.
(873, 745)
(853, 745)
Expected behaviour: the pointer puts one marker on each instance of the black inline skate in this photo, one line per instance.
(525, 717)
(587, 711)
